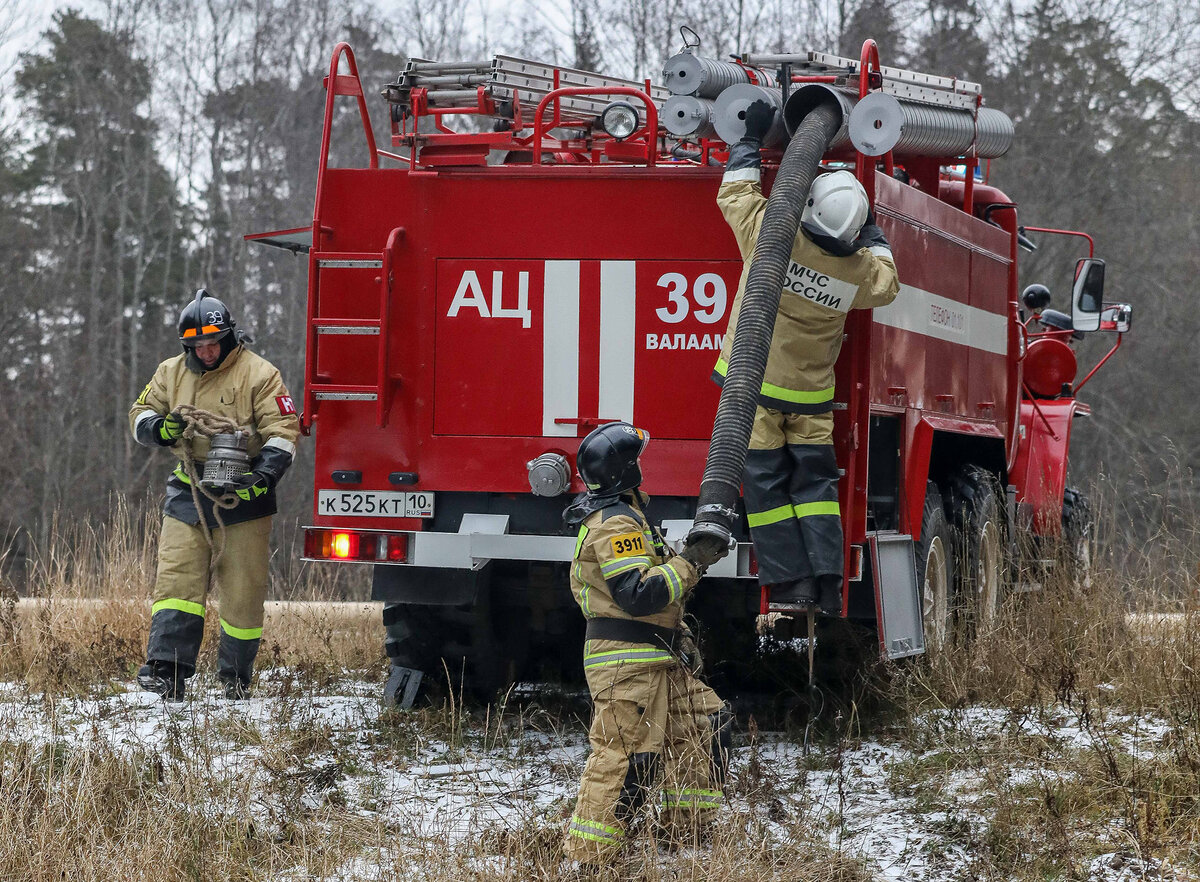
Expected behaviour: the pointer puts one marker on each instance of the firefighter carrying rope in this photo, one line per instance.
(840, 261)
(215, 374)
(639, 660)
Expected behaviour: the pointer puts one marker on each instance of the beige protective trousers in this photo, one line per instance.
(181, 590)
(184, 561)
(641, 713)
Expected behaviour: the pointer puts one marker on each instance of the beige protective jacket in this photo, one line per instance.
(247, 389)
(819, 290)
(623, 570)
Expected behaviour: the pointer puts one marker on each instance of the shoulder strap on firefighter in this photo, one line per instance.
(620, 507)
(631, 631)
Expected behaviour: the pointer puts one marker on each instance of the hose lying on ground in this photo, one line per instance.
(719, 491)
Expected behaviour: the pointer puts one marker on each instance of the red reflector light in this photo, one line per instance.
(349, 545)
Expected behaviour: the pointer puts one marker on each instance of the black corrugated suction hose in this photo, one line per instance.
(719, 491)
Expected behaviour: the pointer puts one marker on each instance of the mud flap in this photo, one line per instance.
(897, 595)
(400, 691)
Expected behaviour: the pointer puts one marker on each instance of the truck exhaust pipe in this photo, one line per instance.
(716, 508)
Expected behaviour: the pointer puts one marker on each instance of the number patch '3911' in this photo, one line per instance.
(627, 545)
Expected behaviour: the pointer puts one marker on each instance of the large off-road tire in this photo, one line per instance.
(982, 529)
(475, 649)
(1077, 538)
(935, 570)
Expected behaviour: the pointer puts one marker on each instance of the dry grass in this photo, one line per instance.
(1093, 744)
(1072, 731)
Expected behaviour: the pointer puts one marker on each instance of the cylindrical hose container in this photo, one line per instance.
(227, 461)
(549, 474)
(924, 130)
(729, 113)
(691, 74)
(686, 116)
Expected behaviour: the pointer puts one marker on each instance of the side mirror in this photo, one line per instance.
(1121, 316)
(1087, 295)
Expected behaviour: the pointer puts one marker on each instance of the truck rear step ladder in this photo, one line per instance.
(316, 391)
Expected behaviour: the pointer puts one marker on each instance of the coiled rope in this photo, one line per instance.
(207, 424)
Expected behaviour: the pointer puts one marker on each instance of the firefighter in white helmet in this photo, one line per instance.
(649, 708)
(215, 373)
(840, 261)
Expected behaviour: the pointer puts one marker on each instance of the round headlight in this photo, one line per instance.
(619, 119)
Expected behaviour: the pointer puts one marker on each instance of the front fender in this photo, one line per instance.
(1040, 469)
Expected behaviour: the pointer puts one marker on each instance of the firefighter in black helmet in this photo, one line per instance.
(215, 373)
(650, 709)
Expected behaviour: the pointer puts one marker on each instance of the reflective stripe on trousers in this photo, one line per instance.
(594, 831)
(693, 799)
(620, 656)
(793, 512)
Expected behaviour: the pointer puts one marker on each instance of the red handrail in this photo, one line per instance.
(866, 170)
(1091, 242)
(651, 127)
(336, 84)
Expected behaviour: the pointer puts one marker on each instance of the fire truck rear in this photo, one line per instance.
(480, 299)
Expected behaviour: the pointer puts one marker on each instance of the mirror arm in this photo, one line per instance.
(1100, 363)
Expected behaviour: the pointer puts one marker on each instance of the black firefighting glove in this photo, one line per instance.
(251, 485)
(760, 115)
(170, 428)
(870, 236)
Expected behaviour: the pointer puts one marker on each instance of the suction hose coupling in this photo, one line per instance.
(722, 483)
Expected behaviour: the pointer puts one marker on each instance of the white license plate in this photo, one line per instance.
(375, 503)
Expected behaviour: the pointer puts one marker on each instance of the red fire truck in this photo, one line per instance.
(480, 297)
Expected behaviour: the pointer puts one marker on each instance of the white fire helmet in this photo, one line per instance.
(837, 206)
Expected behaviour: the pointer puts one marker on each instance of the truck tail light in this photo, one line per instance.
(345, 545)
(355, 545)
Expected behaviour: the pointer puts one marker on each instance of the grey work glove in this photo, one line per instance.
(704, 552)
(689, 652)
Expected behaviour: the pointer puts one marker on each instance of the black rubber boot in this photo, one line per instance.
(235, 665)
(164, 678)
(800, 593)
(831, 594)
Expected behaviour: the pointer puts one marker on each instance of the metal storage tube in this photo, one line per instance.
(687, 116)
(928, 130)
(690, 74)
(729, 113)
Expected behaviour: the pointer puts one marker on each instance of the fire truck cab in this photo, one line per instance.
(479, 300)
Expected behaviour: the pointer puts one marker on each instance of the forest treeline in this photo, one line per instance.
(144, 139)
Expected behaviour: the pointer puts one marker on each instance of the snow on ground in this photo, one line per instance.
(447, 783)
